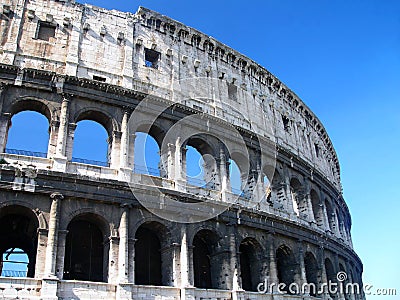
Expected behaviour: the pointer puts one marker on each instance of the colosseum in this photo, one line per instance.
(120, 230)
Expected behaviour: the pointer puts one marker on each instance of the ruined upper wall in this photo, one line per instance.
(94, 43)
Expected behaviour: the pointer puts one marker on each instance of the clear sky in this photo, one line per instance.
(343, 59)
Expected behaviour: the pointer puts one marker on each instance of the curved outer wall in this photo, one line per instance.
(95, 68)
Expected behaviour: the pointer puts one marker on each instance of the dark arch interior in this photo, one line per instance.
(18, 229)
(330, 273)
(249, 266)
(147, 257)
(286, 266)
(203, 247)
(84, 251)
(311, 267)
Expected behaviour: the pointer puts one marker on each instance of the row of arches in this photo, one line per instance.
(312, 205)
(29, 133)
(87, 250)
(91, 142)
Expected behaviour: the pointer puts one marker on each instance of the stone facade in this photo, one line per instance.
(73, 62)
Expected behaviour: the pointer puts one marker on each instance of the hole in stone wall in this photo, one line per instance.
(99, 78)
(316, 150)
(286, 123)
(151, 58)
(46, 31)
(232, 91)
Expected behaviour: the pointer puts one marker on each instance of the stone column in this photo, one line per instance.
(41, 252)
(70, 141)
(180, 166)
(273, 271)
(290, 204)
(186, 266)
(114, 149)
(124, 151)
(303, 277)
(62, 236)
(3, 87)
(324, 278)
(113, 259)
(60, 158)
(311, 217)
(5, 119)
(185, 259)
(326, 219)
(52, 238)
(131, 151)
(124, 290)
(167, 166)
(234, 262)
(224, 174)
(123, 255)
(63, 128)
(131, 261)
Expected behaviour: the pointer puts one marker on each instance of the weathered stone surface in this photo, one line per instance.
(101, 65)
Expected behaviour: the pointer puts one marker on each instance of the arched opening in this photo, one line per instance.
(311, 267)
(85, 253)
(147, 156)
(91, 144)
(316, 207)
(150, 264)
(286, 266)
(235, 178)
(18, 241)
(267, 188)
(194, 167)
(250, 268)
(330, 274)
(199, 163)
(28, 134)
(239, 176)
(298, 199)
(205, 272)
(330, 216)
(14, 263)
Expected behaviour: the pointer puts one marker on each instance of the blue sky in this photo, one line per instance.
(343, 59)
